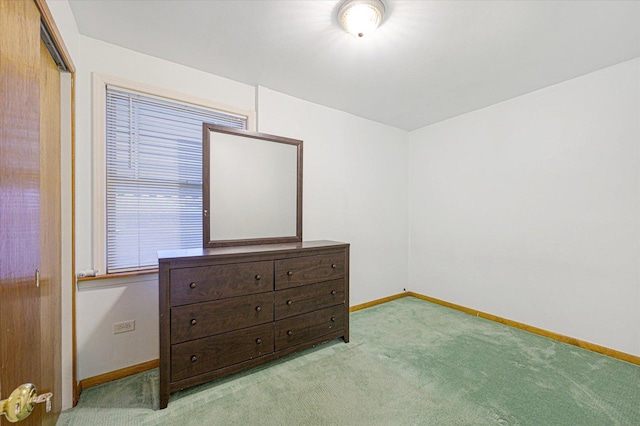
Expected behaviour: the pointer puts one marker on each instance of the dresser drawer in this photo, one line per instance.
(201, 284)
(211, 353)
(300, 300)
(301, 328)
(197, 320)
(306, 270)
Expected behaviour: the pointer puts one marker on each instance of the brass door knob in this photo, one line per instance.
(21, 402)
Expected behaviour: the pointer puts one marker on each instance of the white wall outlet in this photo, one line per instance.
(124, 326)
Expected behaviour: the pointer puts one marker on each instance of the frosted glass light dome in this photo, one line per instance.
(361, 17)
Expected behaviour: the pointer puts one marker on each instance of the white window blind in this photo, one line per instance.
(154, 176)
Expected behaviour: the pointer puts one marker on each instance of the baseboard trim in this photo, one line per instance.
(623, 356)
(378, 302)
(118, 374)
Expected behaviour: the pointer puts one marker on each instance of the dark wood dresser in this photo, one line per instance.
(223, 310)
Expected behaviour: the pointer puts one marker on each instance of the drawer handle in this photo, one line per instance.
(194, 358)
(258, 308)
(258, 277)
(289, 302)
(333, 292)
(333, 319)
(193, 321)
(258, 340)
(289, 273)
(192, 285)
(334, 266)
(289, 333)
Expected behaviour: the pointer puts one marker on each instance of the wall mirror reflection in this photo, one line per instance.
(252, 187)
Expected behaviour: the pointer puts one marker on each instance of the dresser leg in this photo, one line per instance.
(164, 400)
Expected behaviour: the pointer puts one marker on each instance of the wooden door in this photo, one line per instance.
(29, 210)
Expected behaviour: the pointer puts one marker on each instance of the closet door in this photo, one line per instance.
(29, 211)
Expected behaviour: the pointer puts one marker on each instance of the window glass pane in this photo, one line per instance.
(154, 176)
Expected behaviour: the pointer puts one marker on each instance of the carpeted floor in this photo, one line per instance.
(409, 362)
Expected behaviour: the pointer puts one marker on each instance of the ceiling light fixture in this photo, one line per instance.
(360, 17)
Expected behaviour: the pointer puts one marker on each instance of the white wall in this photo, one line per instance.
(98, 57)
(355, 187)
(355, 190)
(529, 209)
(102, 303)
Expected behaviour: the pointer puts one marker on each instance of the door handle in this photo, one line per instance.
(21, 402)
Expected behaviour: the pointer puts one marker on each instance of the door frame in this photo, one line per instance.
(62, 57)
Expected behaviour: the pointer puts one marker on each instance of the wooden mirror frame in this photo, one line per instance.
(207, 129)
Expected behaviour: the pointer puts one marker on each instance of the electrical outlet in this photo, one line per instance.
(124, 326)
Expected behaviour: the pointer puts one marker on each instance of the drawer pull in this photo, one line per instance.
(258, 340)
(258, 308)
(289, 273)
(289, 302)
(192, 285)
(289, 333)
(193, 321)
(258, 277)
(334, 266)
(333, 319)
(333, 292)
(194, 358)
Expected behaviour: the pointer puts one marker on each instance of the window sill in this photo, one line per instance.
(117, 280)
(119, 275)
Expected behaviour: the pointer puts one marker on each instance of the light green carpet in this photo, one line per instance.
(409, 362)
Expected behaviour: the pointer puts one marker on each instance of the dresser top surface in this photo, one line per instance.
(236, 250)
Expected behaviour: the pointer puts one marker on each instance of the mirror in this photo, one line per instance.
(252, 187)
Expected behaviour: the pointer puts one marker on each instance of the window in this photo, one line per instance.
(153, 171)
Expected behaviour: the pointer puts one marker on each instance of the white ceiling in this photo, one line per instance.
(430, 60)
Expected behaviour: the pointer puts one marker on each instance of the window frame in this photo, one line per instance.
(100, 83)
